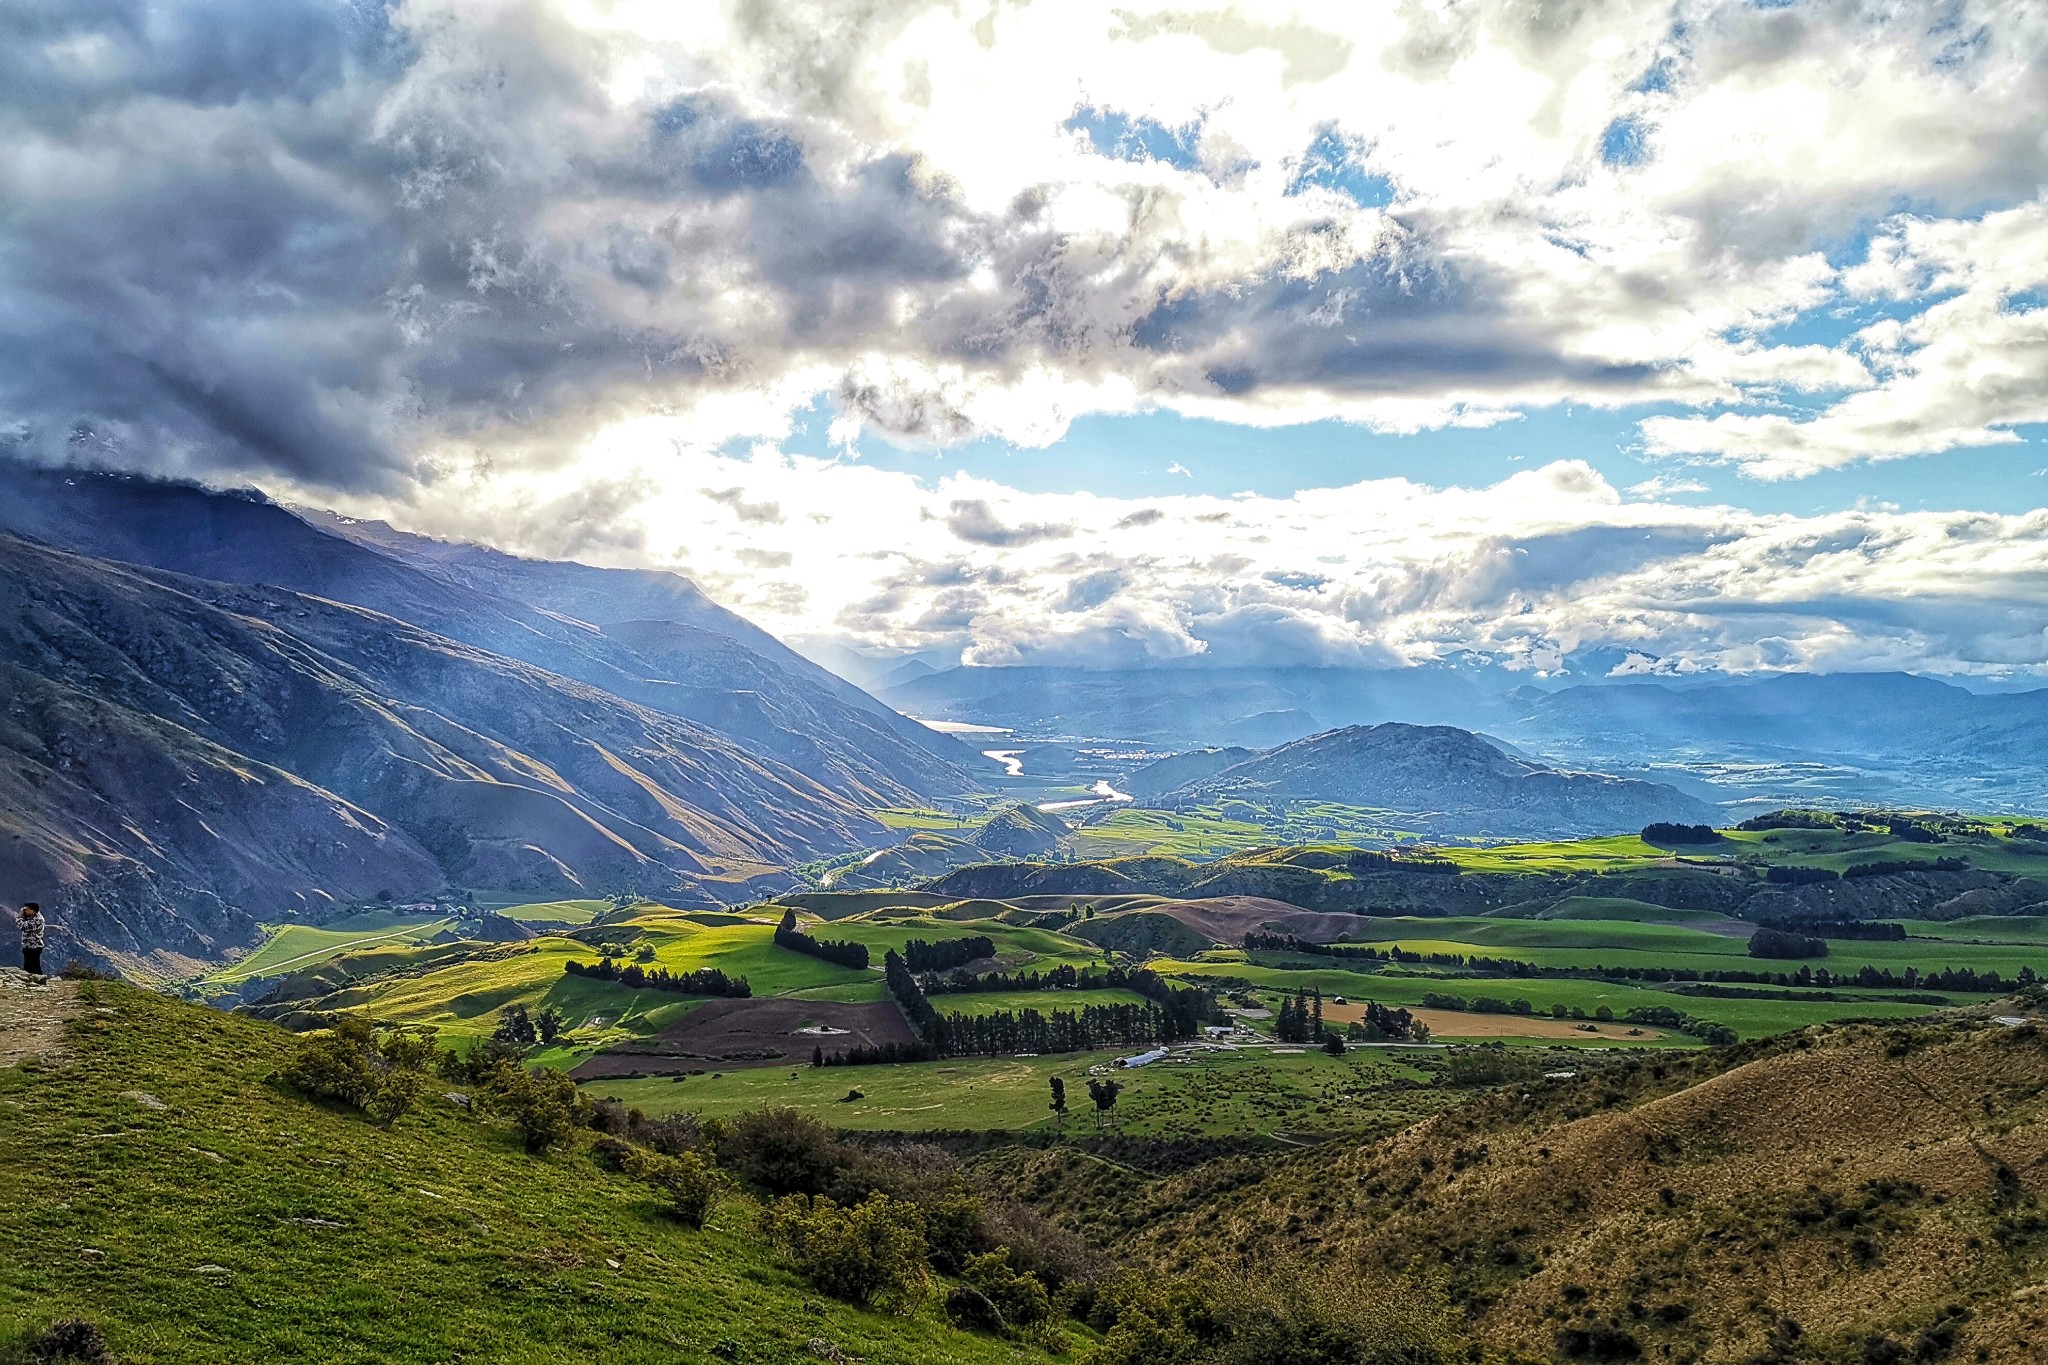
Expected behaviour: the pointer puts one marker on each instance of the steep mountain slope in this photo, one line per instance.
(1846, 1194)
(651, 638)
(183, 757)
(1445, 778)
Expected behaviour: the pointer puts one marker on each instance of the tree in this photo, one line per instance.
(1104, 1094)
(1059, 1102)
(515, 1026)
(550, 1025)
(1315, 1028)
(1334, 1045)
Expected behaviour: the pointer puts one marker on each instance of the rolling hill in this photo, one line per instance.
(1444, 778)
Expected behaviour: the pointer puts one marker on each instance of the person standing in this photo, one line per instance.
(33, 926)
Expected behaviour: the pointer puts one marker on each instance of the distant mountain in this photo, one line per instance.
(1445, 779)
(1191, 706)
(652, 638)
(1180, 770)
(180, 759)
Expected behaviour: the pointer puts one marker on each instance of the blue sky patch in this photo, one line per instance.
(1121, 137)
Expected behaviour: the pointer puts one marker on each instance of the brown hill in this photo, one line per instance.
(1853, 1194)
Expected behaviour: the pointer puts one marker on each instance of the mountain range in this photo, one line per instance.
(1439, 777)
(1785, 739)
(221, 712)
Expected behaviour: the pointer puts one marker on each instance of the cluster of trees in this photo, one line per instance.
(1662, 832)
(1781, 943)
(1792, 819)
(1300, 1019)
(873, 1054)
(1388, 1024)
(1663, 1016)
(1366, 860)
(517, 1028)
(1083, 1030)
(1784, 875)
(703, 981)
(947, 954)
(840, 951)
(1877, 931)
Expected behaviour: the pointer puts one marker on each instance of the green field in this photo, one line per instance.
(557, 912)
(295, 947)
(1237, 1094)
(1045, 1002)
(1749, 1017)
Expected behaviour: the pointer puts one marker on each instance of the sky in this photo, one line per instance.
(1586, 338)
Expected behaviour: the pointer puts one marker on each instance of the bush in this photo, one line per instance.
(691, 1183)
(350, 1066)
(67, 1341)
(1020, 1298)
(544, 1106)
(781, 1152)
(872, 1253)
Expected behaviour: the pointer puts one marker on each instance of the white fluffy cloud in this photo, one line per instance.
(1548, 567)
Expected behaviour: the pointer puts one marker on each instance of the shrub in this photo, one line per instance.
(1662, 832)
(544, 1106)
(691, 1183)
(781, 1151)
(1020, 1298)
(349, 1065)
(67, 1341)
(870, 1253)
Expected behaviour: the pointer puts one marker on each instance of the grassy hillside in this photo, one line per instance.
(1849, 1195)
(161, 1187)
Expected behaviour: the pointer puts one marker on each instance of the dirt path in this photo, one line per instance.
(33, 1016)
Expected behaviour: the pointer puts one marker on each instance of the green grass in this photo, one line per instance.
(557, 912)
(295, 947)
(1750, 1018)
(241, 1223)
(1240, 1094)
(1045, 1002)
(1983, 929)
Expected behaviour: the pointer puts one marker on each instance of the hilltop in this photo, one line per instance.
(1442, 778)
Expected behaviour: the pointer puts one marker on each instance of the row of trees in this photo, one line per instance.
(1065, 977)
(1368, 860)
(947, 954)
(840, 951)
(1878, 931)
(703, 981)
(1168, 1015)
(1864, 978)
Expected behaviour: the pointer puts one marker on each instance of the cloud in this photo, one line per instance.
(1549, 569)
(1178, 468)
(971, 520)
(351, 244)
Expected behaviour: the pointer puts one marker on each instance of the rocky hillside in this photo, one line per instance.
(179, 758)
(1440, 777)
